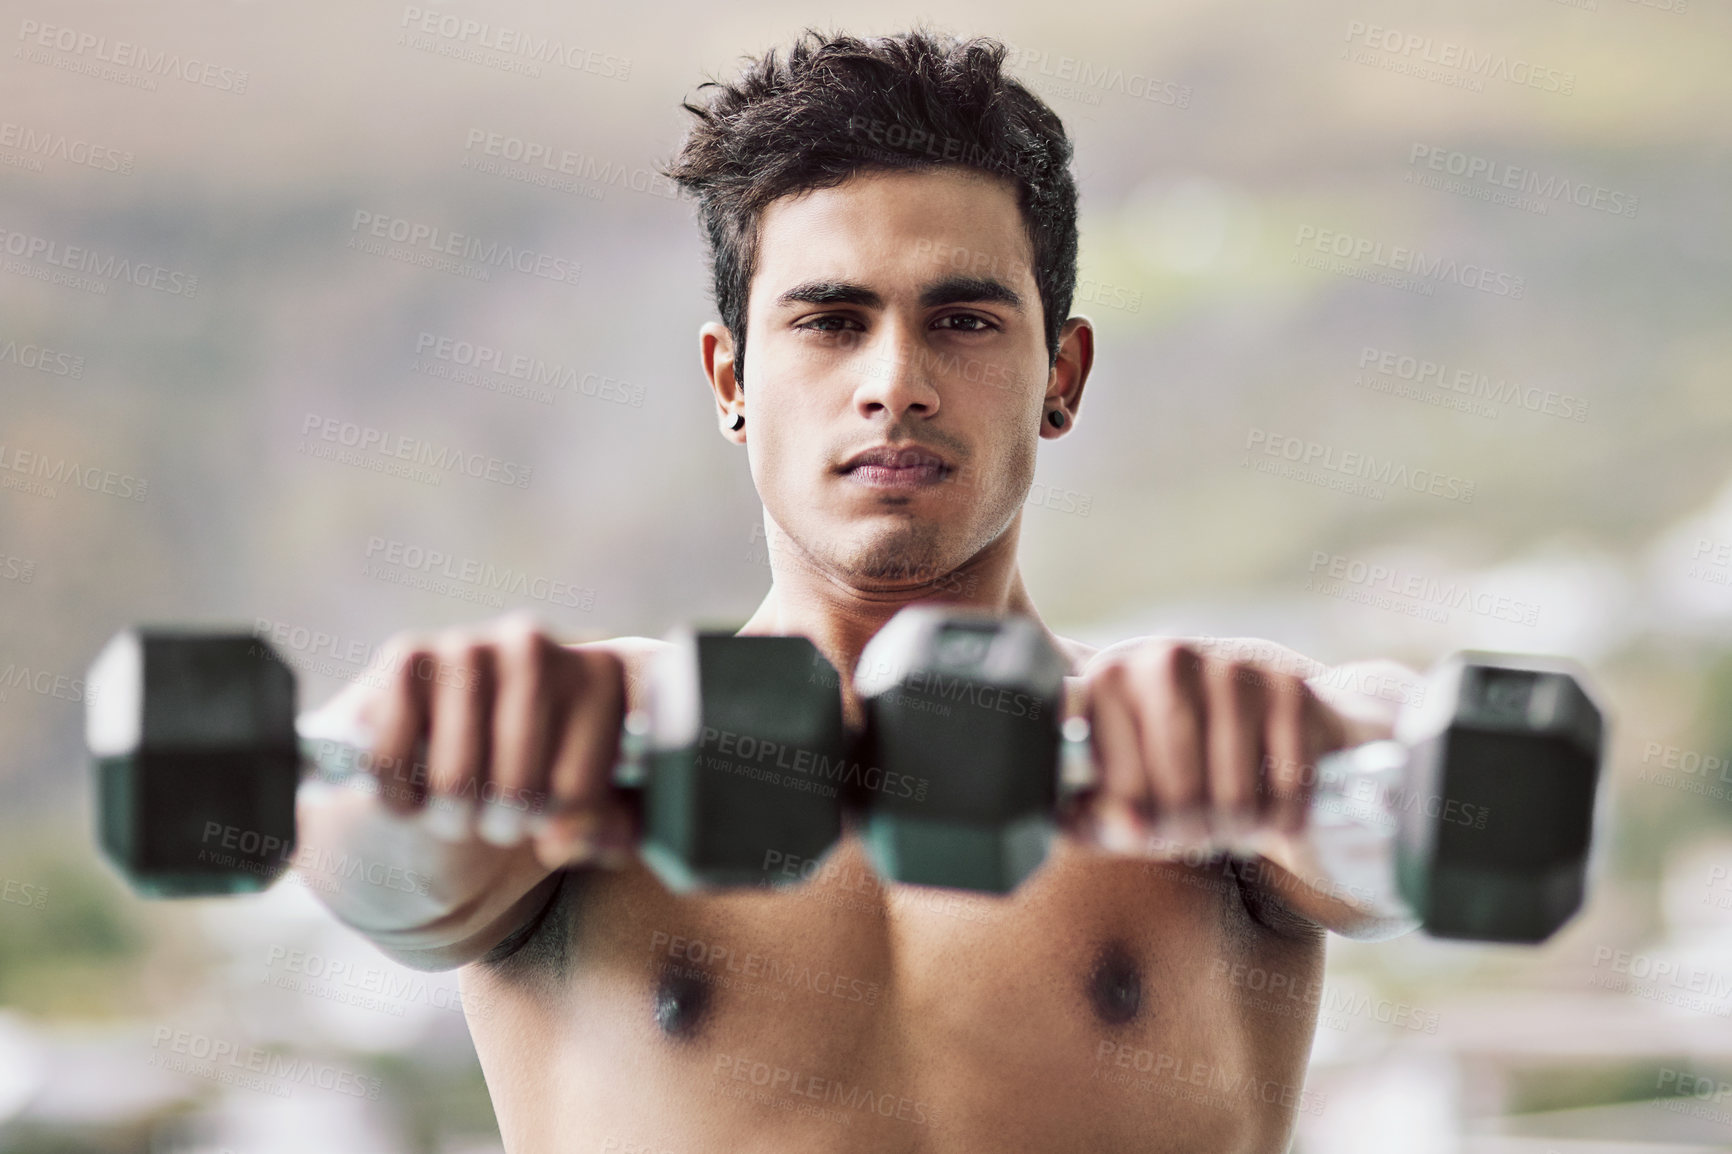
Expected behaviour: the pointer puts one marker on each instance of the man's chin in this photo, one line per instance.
(907, 555)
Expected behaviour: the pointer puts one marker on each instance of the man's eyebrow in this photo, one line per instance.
(831, 292)
(958, 289)
(949, 291)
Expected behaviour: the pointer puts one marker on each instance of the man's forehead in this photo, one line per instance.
(919, 225)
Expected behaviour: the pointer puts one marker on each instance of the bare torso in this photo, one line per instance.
(1102, 1007)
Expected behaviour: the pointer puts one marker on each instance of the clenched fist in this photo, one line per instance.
(520, 736)
(1192, 748)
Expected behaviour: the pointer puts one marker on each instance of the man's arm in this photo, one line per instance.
(434, 904)
(507, 716)
(1366, 697)
(1221, 736)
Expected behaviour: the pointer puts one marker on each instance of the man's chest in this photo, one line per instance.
(1085, 999)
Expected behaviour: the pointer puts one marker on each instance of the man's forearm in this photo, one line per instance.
(426, 902)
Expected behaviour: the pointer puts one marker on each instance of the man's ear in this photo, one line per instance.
(716, 350)
(1064, 384)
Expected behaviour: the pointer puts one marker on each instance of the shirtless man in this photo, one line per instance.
(911, 342)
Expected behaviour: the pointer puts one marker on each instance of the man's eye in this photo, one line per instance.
(968, 323)
(828, 324)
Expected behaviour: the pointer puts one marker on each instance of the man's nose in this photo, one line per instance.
(897, 380)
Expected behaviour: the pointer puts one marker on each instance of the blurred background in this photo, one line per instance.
(194, 312)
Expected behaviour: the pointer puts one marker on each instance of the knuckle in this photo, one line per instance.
(401, 665)
(460, 660)
(1114, 677)
(601, 664)
(458, 647)
(520, 637)
(401, 642)
(597, 677)
(1234, 682)
(1170, 659)
(527, 656)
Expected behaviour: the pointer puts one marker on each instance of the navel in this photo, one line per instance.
(1115, 984)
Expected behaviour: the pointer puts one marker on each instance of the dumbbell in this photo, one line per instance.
(198, 757)
(1474, 823)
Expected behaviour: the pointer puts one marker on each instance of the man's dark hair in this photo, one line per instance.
(839, 105)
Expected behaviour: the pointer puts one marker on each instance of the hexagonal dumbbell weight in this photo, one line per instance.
(198, 756)
(1475, 823)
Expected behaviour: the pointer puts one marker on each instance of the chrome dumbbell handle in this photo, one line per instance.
(338, 752)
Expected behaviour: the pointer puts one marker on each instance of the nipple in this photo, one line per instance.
(1115, 985)
(681, 999)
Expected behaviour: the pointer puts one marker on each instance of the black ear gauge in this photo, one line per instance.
(739, 423)
(1056, 418)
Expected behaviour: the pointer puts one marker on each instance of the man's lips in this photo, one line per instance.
(896, 467)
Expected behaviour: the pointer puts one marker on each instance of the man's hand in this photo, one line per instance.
(520, 732)
(1192, 747)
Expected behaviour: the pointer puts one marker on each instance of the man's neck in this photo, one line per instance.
(840, 618)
